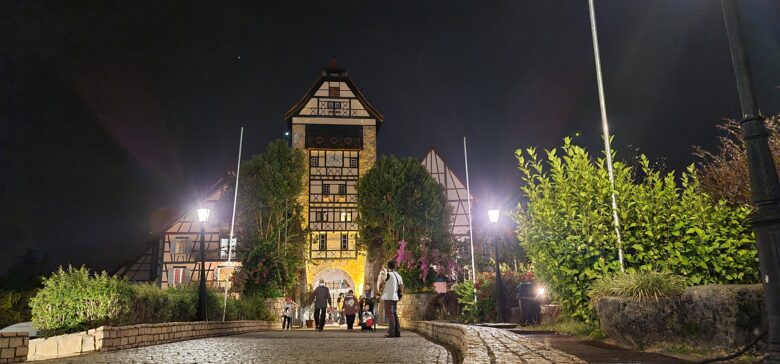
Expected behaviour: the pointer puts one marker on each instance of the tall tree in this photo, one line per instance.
(399, 201)
(271, 220)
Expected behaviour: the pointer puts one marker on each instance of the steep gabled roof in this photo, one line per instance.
(455, 190)
(332, 73)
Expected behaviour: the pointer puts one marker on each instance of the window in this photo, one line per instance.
(180, 245)
(353, 162)
(326, 189)
(342, 189)
(178, 276)
(334, 104)
(323, 241)
(223, 248)
(345, 217)
(344, 242)
(334, 91)
(314, 162)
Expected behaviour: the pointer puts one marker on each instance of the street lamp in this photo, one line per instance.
(203, 217)
(764, 185)
(493, 215)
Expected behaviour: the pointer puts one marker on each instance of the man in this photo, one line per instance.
(390, 287)
(321, 297)
(287, 314)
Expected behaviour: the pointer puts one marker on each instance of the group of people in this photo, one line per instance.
(390, 291)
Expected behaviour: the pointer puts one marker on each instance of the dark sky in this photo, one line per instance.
(113, 111)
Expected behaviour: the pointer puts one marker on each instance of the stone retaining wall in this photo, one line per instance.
(107, 338)
(473, 344)
(13, 347)
(413, 307)
(723, 317)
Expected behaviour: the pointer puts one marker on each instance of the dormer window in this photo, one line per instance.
(334, 91)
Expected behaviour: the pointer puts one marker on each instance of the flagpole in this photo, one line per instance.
(471, 230)
(605, 129)
(232, 224)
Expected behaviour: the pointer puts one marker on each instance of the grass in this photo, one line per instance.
(571, 327)
(638, 286)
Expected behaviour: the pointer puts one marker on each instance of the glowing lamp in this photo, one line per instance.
(493, 215)
(203, 215)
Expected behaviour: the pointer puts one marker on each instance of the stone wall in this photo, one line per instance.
(477, 345)
(13, 347)
(723, 317)
(107, 338)
(413, 307)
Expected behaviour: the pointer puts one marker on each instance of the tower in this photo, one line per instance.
(336, 127)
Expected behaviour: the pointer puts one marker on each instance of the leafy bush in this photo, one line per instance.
(149, 304)
(638, 286)
(466, 294)
(248, 307)
(14, 307)
(724, 173)
(184, 304)
(74, 299)
(486, 291)
(566, 226)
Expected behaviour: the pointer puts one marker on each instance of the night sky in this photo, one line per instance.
(113, 114)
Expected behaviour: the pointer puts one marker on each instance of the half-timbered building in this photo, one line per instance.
(336, 127)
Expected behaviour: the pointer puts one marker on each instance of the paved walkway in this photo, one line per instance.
(334, 345)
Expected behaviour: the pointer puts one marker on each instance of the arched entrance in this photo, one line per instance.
(337, 280)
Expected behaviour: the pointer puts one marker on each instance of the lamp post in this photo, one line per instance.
(493, 215)
(764, 185)
(203, 216)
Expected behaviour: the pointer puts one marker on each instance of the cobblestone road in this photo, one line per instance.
(334, 345)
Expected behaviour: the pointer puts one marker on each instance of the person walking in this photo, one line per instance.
(322, 300)
(351, 308)
(287, 314)
(340, 309)
(392, 289)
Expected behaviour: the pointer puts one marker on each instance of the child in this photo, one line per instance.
(367, 320)
(287, 314)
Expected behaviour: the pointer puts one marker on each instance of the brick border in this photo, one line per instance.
(13, 347)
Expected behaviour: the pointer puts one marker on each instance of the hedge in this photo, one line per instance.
(75, 299)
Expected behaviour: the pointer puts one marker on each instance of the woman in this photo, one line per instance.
(367, 299)
(340, 309)
(351, 308)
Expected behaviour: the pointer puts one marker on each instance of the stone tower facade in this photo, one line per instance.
(336, 127)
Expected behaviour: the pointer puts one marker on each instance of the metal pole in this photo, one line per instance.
(471, 229)
(605, 130)
(202, 283)
(499, 289)
(764, 185)
(232, 224)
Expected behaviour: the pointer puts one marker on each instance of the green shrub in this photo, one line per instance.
(638, 286)
(74, 299)
(486, 291)
(14, 306)
(465, 292)
(248, 307)
(149, 304)
(184, 304)
(667, 223)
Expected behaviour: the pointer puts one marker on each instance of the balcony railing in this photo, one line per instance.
(333, 254)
